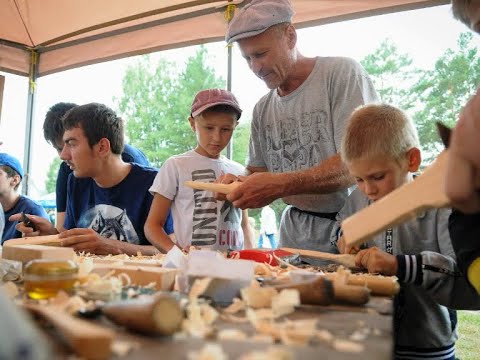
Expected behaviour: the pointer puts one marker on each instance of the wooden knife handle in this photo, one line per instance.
(318, 291)
(351, 294)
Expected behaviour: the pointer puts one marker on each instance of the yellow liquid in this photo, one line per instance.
(44, 289)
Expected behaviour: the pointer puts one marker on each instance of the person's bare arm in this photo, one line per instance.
(248, 234)
(463, 172)
(155, 221)
(88, 241)
(261, 188)
(59, 219)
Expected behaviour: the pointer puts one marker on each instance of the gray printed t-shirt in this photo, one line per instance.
(301, 130)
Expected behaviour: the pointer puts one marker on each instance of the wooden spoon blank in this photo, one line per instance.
(87, 340)
(347, 260)
(426, 191)
(219, 188)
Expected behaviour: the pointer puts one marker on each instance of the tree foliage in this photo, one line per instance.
(392, 73)
(443, 91)
(156, 103)
(52, 173)
(426, 95)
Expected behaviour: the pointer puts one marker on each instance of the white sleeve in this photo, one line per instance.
(166, 181)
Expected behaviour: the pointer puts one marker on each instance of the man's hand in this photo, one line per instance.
(226, 179)
(257, 190)
(377, 261)
(43, 226)
(463, 172)
(89, 241)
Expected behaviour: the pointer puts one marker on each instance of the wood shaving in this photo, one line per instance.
(231, 334)
(360, 334)
(285, 302)
(69, 304)
(258, 297)
(233, 318)
(104, 288)
(272, 353)
(347, 346)
(199, 287)
(208, 352)
(199, 319)
(262, 269)
(236, 306)
(10, 289)
(121, 348)
(262, 338)
(324, 336)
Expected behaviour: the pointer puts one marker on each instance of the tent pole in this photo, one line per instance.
(229, 88)
(229, 12)
(32, 82)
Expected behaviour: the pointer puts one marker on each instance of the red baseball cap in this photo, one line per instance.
(206, 99)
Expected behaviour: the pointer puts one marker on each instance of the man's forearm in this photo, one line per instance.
(329, 176)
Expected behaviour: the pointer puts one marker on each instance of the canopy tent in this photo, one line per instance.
(67, 33)
(41, 37)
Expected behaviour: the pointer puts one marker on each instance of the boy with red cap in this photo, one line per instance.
(199, 219)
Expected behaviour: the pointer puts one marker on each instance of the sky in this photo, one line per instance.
(423, 34)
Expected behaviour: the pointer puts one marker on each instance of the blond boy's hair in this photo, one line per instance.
(378, 130)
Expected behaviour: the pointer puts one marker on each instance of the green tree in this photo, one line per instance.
(51, 180)
(156, 103)
(392, 73)
(443, 91)
(240, 142)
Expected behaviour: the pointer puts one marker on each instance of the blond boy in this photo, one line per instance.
(381, 150)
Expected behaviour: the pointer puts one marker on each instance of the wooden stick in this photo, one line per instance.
(219, 188)
(87, 340)
(347, 260)
(426, 191)
(351, 294)
(378, 284)
(47, 240)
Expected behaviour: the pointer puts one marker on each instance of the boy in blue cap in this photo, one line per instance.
(11, 175)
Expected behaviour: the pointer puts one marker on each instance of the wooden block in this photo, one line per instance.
(141, 275)
(51, 240)
(116, 261)
(25, 253)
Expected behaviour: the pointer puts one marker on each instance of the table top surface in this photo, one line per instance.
(373, 319)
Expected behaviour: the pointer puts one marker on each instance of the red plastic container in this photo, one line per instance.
(259, 255)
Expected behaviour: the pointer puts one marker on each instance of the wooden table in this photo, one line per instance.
(341, 321)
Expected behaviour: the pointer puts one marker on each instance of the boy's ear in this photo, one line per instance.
(103, 146)
(15, 180)
(191, 121)
(414, 158)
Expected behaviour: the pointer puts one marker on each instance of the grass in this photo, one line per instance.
(468, 344)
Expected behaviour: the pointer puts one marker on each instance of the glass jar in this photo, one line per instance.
(44, 278)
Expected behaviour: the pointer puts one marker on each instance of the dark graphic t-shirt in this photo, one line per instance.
(26, 205)
(118, 212)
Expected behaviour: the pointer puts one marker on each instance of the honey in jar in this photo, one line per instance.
(44, 278)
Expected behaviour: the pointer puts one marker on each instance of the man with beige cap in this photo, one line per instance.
(297, 127)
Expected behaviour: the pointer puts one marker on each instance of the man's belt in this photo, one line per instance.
(331, 216)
